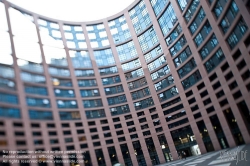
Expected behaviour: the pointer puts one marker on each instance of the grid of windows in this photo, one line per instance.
(229, 17)
(214, 61)
(134, 74)
(157, 63)
(218, 8)
(119, 110)
(178, 46)
(237, 33)
(40, 115)
(119, 30)
(208, 47)
(74, 36)
(80, 59)
(10, 112)
(131, 65)
(197, 21)
(158, 5)
(164, 83)
(168, 94)
(8, 98)
(191, 80)
(126, 51)
(37, 102)
(160, 73)
(182, 57)
(92, 103)
(191, 10)
(183, 4)
(108, 70)
(167, 20)
(73, 115)
(148, 39)
(187, 68)
(97, 36)
(104, 57)
(117, 99)
(174, 35)
(140, 17)
(153, 53)
(201, 36)
(144, 103)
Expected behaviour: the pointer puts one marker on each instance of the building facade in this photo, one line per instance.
(158, 78)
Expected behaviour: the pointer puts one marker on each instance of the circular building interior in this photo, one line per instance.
(137, 88)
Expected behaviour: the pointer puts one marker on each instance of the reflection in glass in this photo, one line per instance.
(50, 33)
(74, 36)
(26, 65)
(5, 48)
(80, 59)
(55, 56)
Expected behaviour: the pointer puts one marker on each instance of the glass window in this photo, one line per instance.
(28, 77)
(111, 80)
(73, 115)
(187, 68)
(164, 83)
(191, 10)
(157, 63)
(61, 82)
(67, 104)
(140, 93)
(214, 61)
(92, 103)
(126, 51)
(108, 70)
(131, 65)
(201, 36)
(59, 72)
(158, 5)
(80, 59)
(30, 66)
(160, 73)
(208, 47)
(153, 53)
(183, 4)
(191, 80)
(229, 17)
(237, 33)
(7, 84)
(87, 83)
(174, 35)
(134, 74)
(182, 57)
(95, 114)
(6, 72)
(74, 36)
(168, 94)
(113, 90)
(37, 102)
(144, 103)
(97, 35)
(40, 115)
(8, 98)
(119, 110)
(178, 46)
(117, 99)
(55, 56)
(89, 92)
(140, 17)
(64, 93)
(119, 30)
(167, 20)
(218, 8)
(197, 21)
(104, 57)
(10, 112)
(36, 90)
(50, 33)
(148, 39)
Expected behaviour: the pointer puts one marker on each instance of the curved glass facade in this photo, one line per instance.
(160, 77)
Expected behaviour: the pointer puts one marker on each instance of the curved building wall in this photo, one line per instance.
(161, 76)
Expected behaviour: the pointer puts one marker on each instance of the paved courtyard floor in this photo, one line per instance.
(238, 156)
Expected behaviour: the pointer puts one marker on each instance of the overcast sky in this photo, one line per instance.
(74, 10)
